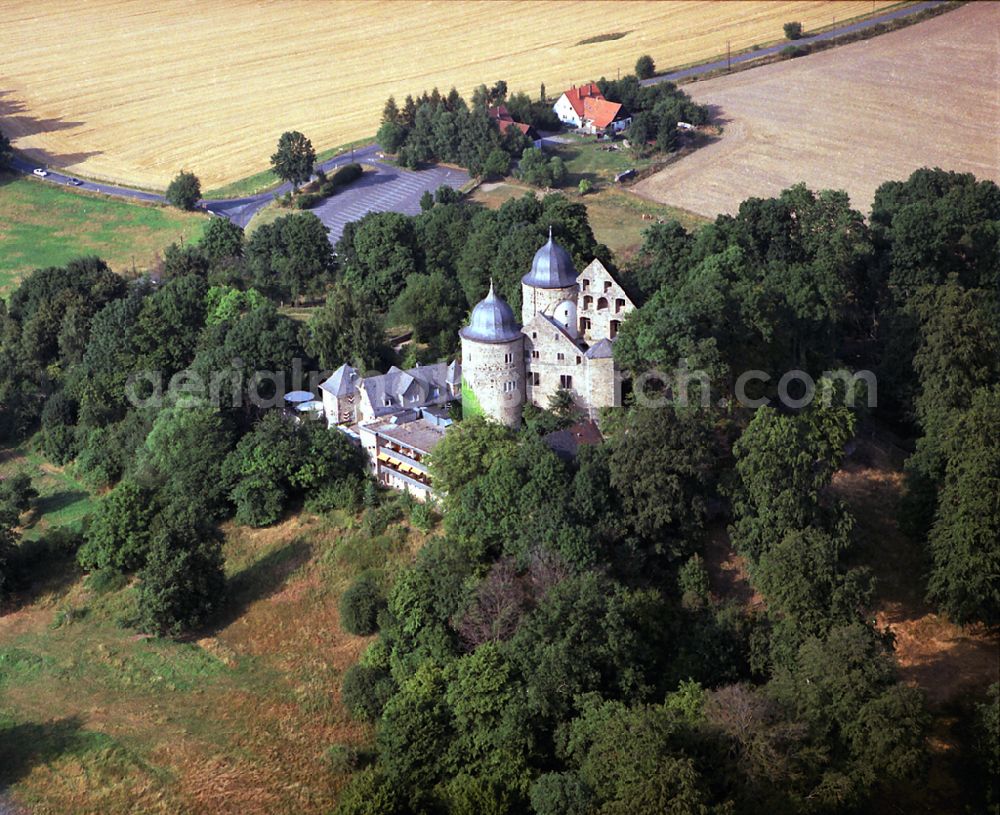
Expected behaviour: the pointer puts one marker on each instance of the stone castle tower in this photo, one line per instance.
(569, 321)
(493, 362)
(550, 287)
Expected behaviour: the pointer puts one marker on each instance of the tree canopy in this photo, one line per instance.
(294, 159)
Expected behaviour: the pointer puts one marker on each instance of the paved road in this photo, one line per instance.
(387, 188)
(55, 177)
(241, 210)
(774, 49)
(392, 188)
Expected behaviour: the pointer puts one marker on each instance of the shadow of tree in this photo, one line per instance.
(24, 746)
(260, 579)
(16, 123)
(39, 567)
(716, 115)
(55, 502)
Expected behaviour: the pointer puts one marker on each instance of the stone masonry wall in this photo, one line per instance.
(495, 371)
(602, 302)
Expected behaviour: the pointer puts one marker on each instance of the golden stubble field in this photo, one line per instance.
(131, 91)
(850, 118)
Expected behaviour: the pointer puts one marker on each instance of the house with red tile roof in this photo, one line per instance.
(585, 107)
(505, 121)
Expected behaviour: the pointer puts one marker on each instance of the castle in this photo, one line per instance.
(563, 342)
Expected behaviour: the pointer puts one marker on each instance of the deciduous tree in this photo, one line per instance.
(294, 159)
(184, 191)
(347, 328)
(645, 67)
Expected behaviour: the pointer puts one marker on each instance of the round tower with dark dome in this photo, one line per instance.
(550, 287)
(493, 362)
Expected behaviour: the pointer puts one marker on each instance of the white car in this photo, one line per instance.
(40, 172)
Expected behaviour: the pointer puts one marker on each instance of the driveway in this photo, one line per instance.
(241, 210)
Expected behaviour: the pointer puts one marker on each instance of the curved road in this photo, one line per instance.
(241, 210)
(238, 210)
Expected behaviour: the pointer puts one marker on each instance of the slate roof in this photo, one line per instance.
(602, 349)
(342, 382)
(412, 388)
(492, 320)
(551, 268)
(558, 326)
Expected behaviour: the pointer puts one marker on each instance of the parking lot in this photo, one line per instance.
(384, 188)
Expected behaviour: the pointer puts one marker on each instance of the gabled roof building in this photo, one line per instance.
(505, 122)
(564, 341)
(398, 417)
(586, 108)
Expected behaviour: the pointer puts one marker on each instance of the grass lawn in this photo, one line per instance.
(239, 718)
(268, 214)
(617, 219)
(587, 158)
(301, 314)
(43, 224)
(615, 215)
(63, 500)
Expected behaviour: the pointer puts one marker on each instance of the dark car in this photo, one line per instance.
(76, 182)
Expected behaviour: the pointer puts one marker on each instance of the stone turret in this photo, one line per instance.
(550, 288)
(493, 362)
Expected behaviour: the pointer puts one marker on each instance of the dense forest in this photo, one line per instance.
(554, 647)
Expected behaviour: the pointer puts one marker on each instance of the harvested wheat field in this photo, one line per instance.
(129, 91)
(850, 118)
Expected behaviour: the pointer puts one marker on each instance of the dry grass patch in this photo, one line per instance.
(239, 720)
(849, 118)
(948, 662)
(617, 218)
(210, 87)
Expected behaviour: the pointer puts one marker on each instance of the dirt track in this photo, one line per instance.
(850, 118)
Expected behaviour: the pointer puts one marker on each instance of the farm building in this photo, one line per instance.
(505, 122)
(586, 108)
